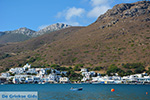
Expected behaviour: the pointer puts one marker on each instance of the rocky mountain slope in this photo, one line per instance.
(18, 35)
(23, 30)
(24, 33)
(51, 28)
(121, 35)
(2, 33)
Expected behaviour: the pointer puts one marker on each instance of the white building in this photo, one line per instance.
(64, 80)
(36, 79)
(52, 78)
(32, 71)
(42, 71)
(84, 70)
(17, 70)
(29, 80)
(27, 66)
(5, 75)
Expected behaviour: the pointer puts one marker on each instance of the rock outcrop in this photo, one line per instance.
(123, 11)
(23, 30)
(51, 28)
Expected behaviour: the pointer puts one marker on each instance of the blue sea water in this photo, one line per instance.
(89, 92)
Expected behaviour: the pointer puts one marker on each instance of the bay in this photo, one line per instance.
(89, 92)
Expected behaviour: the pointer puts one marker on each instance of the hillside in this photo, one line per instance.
(18, 35)
(2, 33)
(24, 33)
(121, 35)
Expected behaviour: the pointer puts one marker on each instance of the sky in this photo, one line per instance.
(37, 14)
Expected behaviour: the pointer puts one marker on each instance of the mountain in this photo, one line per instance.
(18, 35)
(10, 38)
(51, 28)
(120, 36)
(2, 33)
(23, 30)
(24, 33)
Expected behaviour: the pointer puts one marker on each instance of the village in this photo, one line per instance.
(28, 75)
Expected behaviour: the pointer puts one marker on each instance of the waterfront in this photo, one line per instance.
(89, 92)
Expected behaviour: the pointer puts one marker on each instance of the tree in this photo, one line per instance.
(114, 69)
(129, 72)
(98, 68)
(139, 70)
(76, 68)
(55, 66)
(148, 71)
(48, 71)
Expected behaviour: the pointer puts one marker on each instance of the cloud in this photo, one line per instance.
(98, 7)
(76, 16)
(70, 13)
(97, 11)
(98, 2)
(42, 26)
(73, 23)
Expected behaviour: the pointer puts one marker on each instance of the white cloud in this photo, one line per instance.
(73, 23)
(98, 7)
(71, 12)
(97, 11)
(99, 2)
(59, 14)
(76, 16)
(42, 26)
(71, 15)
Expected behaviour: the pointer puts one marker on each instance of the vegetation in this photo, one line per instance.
(148, 71)
(133, 65)
(139, 70)
(112, 69)
(58, 67)
(97, 68)
(48, 71)
(74, 76)
(76, 68)
(5, 56)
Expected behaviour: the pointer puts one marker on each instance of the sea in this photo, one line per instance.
(89, 92)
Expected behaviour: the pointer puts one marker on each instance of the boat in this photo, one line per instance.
(76, 89)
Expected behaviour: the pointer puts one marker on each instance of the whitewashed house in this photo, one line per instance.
(84, 70)
(84, 79)
(27, 66)
(15, 80)
(52, 78)
(5, 75)
(92, 73)
(17, 70)
(29, 80)
(64, 80)
(96, 79)
(42, 71)
(31, 71)
(36, 79)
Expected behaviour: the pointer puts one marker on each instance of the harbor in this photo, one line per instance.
(28, 75)
(89, 92)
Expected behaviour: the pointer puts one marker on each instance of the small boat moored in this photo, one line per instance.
(76, 89)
